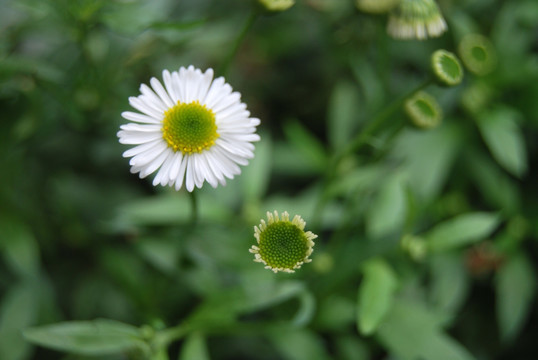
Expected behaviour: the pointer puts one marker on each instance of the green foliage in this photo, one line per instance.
(426, 237)
(97, 337)
(376, 294)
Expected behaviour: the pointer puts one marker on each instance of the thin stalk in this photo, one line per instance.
(167, 336)
(194, 207)
(237, 44)
(378, 122)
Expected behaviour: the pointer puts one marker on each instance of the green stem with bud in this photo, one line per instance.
(237, 44)
(359, 141)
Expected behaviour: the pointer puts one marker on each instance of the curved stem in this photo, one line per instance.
(246, 27)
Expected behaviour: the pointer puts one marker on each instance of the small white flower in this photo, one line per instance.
(194, 129)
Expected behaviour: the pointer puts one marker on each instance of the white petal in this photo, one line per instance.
(154, 165)
(151, 98)
(158, 87)
(144, 108)
(168, 83)
(199, 174)
(136, 137)
(140, 118)
(230, 166)
(227, 101)
(189, 175)
(234, 149)
(141, 128)
(209, 171)
(181, 174)
(153, 103)
(205, 83)
(243, 137)
(162, 174)
(141, 148)
(217, 91)
(178, 88)
(174, 170)
(146, 157)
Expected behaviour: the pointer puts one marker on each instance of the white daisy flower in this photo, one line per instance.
(194, 129)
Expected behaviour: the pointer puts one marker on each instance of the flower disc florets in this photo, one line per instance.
(283, 245)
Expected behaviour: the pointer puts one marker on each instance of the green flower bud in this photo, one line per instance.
(376, 6)
(446, 68)
(478, 54)
(416, 19)
(414, 246)
(283, 245)
(423, 110)
(277, 5)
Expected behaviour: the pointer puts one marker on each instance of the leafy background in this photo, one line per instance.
(427, 239)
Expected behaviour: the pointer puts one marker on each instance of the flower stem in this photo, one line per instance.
(363, 137)
(246, 27)
(194, 207)
(167, 336)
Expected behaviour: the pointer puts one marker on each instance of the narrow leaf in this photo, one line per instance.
(343, 113)
(387, 213)
(19, 246)
(306, 143)
(98, 337)
(18, 310)
(449, 282)
(461, 230)
(376, 294)
(411, 331)
(515, 287)
(504, 139)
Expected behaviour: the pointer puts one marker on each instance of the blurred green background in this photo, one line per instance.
(427, 244)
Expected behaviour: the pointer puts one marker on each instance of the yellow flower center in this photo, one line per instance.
(189, 128)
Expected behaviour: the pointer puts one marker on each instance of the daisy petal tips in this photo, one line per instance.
(190, 130)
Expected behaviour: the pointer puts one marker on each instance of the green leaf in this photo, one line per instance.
(449, 282)
(504, 139)
(410, 331)
(18, 311)
(387, 213)
(194, 348)
(350, 347)
(335, 312)
(98, 337)
(161, 253)
(497, 187)
(376, 294)
(428, 157)
(461, 230)
(298, 344)
(342, 117)
(515, 287)
(306, 143)
(19, 246)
